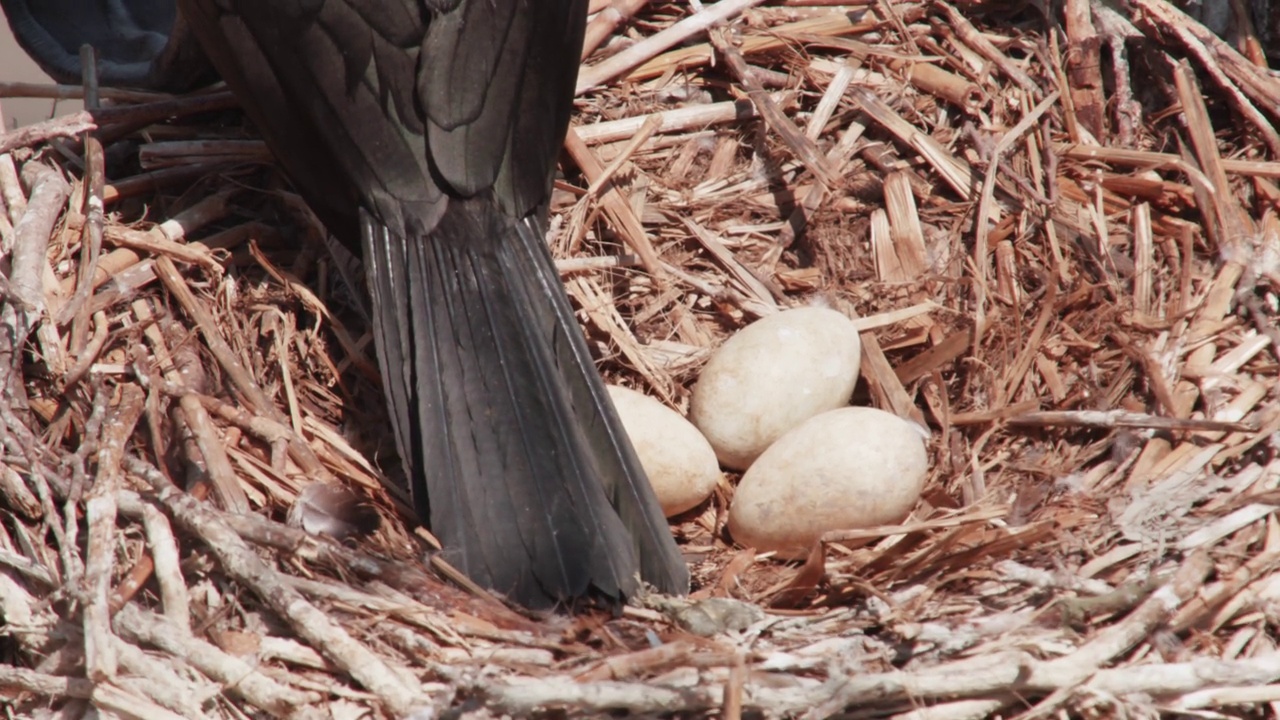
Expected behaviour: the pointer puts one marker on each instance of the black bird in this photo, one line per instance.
(431, 128)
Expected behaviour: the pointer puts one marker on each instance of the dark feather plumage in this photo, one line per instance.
(433, 126)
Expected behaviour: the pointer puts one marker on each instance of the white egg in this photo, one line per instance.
(771, 376)
(679, 462)
(842, 470)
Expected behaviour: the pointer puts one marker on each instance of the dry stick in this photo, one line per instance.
(298, 449)
(308, 621)
(29, 264)
(986, 209)
(100, 516)
(758, 288)
(147, 113)
(1218, 57)
(154, 242)
(187, 152)
(670, 37)
(1111, 419)
(241, 679)
(167, 567)
(91, 233)
(208, 440)
(158, 679)
(976, 40)
(1237, 99)
(927, 77)
(1232, 224)
(1248, 34)
(1259, 567)
(406, 577)
(75, 92)
(696, 117)
(804, 149)
(36, 133)
(608, 20)
(652, 124)
(693, 56)
(1084, 67)
(826, 107)
(1125, 635)
(621, 216)
(320, 309)
(838, 157)
(149, 183)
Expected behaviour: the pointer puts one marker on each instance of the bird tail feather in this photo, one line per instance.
(513, 448)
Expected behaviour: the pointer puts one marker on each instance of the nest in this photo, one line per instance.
(1059, 237)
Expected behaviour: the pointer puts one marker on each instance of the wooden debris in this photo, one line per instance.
(1060, 242)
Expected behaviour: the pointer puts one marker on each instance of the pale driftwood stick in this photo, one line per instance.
(1221, 592)
(309, 622)
(1124, 419)
(272, 648)
(49, 192)
(89, 353)
(959, 710)
(15, 202)
(606, 21)
(406, 577)
(158, 679)
(28, 568)
(650, 47)
(100, 515)
(402, 608)
(242, 679)
(1123, 636)
(673, 121)
(568, 266)
(42, 684)
(1017, 572)
(120, 702)
(168, 570)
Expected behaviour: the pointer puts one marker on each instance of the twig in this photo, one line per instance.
(670, 37)
(241, 563)
(36, 133)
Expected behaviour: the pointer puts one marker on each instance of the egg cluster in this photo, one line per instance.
(773, 403)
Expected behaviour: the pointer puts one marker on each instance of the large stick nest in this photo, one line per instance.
(1059, 236)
